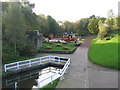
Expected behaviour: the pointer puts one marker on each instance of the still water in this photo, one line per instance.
(28, 80)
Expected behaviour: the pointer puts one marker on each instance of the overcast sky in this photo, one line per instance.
(73, 10)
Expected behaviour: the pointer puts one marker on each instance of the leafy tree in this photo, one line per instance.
(116, 23)
(93, 16)
(83, 26)
(44, 25)
(77, 27)
(102, 19)
(61, 27)
(52, 25)
(31, 19)
(103, 30)
(15, 31)
(110, 14)
(68, 26)
(109, 21)
(5, 6)
(93, 25)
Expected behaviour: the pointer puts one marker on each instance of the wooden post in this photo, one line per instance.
(18, 65)
(38, 85)
(40, 60)
(29, 63)
(51, 80)
(5, 67)
(49, 59)
(59, 60)
(16, 86)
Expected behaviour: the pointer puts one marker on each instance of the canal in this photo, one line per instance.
(29, 79)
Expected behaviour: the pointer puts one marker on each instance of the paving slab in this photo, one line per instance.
(103, 79)
(84, 74)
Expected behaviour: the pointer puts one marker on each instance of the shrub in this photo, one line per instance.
(8, 53)
(107, 38)
(26, 51)
(103, 30)
(102, 34)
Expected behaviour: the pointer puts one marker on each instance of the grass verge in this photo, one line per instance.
(51, 86)
(105, 53)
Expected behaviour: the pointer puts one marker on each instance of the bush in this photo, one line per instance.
(101, 35)
(8, 53)
(26, 51)
(103, 30)
(108, 38)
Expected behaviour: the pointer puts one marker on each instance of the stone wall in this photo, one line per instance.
(34, 38)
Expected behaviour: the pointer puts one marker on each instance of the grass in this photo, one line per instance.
(105, 53)
(54, 48)
(16, 60)
(51, 86)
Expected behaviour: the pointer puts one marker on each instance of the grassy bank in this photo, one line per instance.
(105, 52)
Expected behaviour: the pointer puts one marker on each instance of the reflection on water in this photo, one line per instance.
(28, 79)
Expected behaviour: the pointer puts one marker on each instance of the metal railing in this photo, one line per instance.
(51, 77)
(30, 62)
(29, 75)
(41, 60)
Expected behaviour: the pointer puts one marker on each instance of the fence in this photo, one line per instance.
(29, 75)
(39, 61)
(51, 79)
(31, 62)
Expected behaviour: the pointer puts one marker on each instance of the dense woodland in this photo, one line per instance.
(18, 18)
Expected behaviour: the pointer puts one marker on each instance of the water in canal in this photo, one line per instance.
(29, 79)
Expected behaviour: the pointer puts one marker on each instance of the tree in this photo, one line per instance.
(103, 30)
(109, 21)
(44, 25)
(83, 26)
(116, 23)
(31, 19)
(93, 25)
(68, 26)
(77, 27)
(5, 6)
(15, 31)
(52, 25)
(110, 14)
(93, 16)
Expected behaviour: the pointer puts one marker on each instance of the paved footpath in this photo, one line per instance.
(84, 74)
(77, 75)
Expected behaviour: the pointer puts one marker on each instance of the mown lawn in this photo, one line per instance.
(54, 48)
(105, 53)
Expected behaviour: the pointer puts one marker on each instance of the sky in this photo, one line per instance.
(73, 10)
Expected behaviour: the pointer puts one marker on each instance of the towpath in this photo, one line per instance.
(84, 74)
